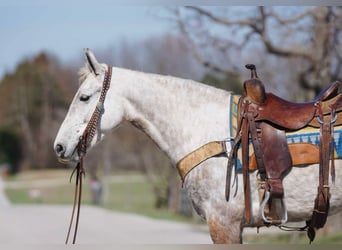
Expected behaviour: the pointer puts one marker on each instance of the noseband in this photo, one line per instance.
(84, 141)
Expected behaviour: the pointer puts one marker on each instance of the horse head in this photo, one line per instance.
(85, 101)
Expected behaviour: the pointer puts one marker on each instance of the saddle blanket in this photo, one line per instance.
(304, 136)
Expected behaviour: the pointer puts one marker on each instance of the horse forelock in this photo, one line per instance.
(83, 73)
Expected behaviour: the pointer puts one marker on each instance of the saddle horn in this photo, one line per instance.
(254, 88)
(252, 68)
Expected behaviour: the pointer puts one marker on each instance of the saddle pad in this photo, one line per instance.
(299, 139)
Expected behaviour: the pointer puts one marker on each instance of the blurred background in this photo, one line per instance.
(297, 51)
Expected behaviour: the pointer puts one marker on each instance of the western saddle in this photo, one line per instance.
(263, 121)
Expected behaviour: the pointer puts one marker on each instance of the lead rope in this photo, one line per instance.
(85, 139)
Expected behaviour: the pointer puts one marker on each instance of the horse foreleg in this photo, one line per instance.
(222, 233)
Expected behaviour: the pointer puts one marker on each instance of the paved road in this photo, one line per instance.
(47, 224)
(32, 224)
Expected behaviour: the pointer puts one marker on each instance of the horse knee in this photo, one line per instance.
(224, 234)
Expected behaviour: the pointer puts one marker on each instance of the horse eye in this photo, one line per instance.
(84, 98)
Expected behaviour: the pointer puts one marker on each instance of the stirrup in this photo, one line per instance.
(262, 210)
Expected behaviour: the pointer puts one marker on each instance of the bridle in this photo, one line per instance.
(81, 148)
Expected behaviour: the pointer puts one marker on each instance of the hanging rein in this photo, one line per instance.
(84, 141)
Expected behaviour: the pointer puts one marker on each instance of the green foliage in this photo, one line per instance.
(229, 83)
(32, 99)
(29, 88)
(129, 192)
(10, 150)
(293, 238)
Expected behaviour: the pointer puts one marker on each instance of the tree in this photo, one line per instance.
(10, 150)
(33, 103)
(229, 83)
(309, 38)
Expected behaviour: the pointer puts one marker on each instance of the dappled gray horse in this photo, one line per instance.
(181, 115)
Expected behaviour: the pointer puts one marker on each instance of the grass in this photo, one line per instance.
(129, 192)
(137, 197)
(293, 238)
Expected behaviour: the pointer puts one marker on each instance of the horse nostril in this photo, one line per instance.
(59, 149)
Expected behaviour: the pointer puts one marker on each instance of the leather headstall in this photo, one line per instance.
(84, 141)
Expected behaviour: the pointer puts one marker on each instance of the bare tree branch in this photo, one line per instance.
(277, 50)
(219, 19)
(316, 33)
(196, 53)
(292, 19)
(259, 27)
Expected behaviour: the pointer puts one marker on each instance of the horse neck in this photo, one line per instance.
(179, 115)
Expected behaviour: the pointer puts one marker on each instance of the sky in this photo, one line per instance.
(64, 27)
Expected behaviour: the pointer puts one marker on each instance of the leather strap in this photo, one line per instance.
(232, 157)
(190, 161)
(245, 170)
(94, 121)
(77, 199)
(255, 131)
(85, 140)
(322, 204)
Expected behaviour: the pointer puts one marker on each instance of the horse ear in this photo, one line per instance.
(95, 66)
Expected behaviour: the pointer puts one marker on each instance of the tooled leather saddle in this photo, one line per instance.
(263, 121)
(266, 122)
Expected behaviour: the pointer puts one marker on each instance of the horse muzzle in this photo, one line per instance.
(63, 155)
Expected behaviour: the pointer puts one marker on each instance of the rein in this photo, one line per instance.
(84, 141)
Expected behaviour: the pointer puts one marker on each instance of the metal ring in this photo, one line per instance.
(319, 120)
(333, 119)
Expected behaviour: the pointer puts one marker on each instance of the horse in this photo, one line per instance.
(180, 115)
